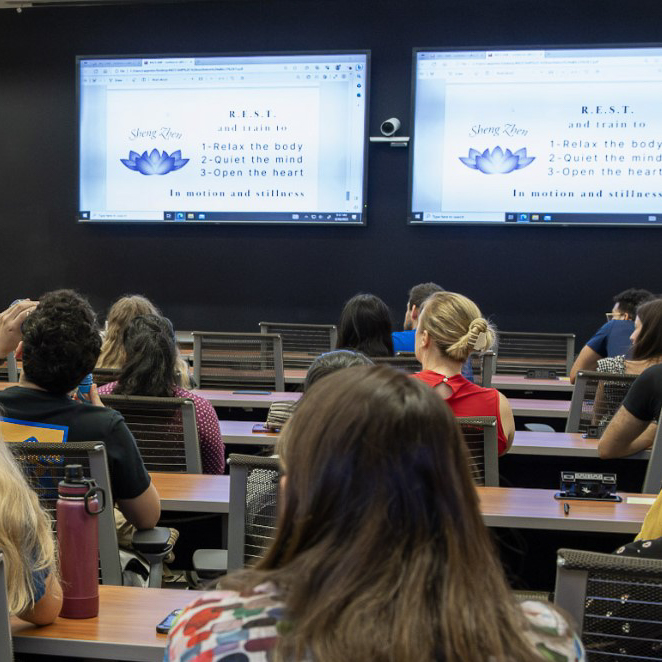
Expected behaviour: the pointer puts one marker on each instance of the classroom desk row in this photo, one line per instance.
(125, 626)
(510, 507)
(557, 444)
(534, 408)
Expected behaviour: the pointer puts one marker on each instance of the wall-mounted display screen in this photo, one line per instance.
(223, 139)
(552, 136)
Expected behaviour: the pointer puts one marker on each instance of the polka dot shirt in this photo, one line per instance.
(212, 450)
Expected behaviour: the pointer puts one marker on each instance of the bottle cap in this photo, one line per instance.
(73, 473)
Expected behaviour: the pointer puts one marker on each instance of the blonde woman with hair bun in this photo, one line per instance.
(450, 328)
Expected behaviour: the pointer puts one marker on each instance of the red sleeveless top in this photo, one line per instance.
(468, 399)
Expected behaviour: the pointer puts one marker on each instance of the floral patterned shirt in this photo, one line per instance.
(226, 626)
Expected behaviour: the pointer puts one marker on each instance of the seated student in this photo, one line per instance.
(404, 341)
(646, 339)
(26, 541)
(613, 337)
(630, 430)
(60, 346)
(365, 325)
(325, 364)
(450, 327)
(151, 350)
(113, 354)
(380, 552)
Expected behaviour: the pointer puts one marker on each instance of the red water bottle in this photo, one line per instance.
(77, 535)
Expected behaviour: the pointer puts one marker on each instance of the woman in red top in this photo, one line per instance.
(450, 327)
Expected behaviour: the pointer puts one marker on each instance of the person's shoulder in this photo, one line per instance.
(651, 375)
(550, 633)
(403, 341)
(180, 392)
(248, 618)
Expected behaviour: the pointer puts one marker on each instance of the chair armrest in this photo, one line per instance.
(151, 541)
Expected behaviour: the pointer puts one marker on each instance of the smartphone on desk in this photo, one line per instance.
(164, 626)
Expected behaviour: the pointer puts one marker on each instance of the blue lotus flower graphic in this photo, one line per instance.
(497, 162)
(155, 163)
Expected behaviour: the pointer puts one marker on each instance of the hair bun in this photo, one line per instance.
(478, 338)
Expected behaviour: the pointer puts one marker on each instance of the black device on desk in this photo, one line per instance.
(588, 486)
(541, 373)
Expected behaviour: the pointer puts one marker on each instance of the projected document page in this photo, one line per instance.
(214, 139)
(555, 136)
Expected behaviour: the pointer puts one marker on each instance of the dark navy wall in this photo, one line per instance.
(556, 279)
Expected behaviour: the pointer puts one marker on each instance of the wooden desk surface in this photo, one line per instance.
(560, 444)
(501, 506)
(125, 628)
(535, 408)
(523, 508)
(241, 432)
(520, 383)
(251, 400)
(193, 492)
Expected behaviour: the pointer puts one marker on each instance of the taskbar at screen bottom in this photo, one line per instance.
(543, 218)
(318, 218)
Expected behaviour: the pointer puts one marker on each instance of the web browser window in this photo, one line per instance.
(569, 136)
(255, 138)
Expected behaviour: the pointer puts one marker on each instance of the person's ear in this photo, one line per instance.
(414, 312)
(18, 352)
(424, 338)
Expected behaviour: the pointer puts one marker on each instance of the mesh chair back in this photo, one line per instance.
(44, 464)
(253, 507)
(6, 652)
(616, 602)
(103, 376)
(405, 361)
(483, 366)
(9, 371)
(595, 399)
(519, 352)
(480, 435)
(653, 478)
(302, 343)
(238, 360)
(165, 431)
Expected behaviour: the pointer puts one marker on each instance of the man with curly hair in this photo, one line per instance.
(59, 347)
(613, 337)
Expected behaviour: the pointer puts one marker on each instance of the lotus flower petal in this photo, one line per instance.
(154, 163)
(497, 161)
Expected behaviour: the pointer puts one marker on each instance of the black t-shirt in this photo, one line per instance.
(85, 422)
(644, 399)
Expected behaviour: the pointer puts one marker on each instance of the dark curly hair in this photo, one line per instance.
(629, 300)
(61, 341)
(151, 351)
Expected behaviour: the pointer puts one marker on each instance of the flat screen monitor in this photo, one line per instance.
(553, 136)
(223, 139)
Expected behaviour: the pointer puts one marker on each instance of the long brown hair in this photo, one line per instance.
(381, 553)
(120, 315)
(648, 344)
